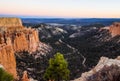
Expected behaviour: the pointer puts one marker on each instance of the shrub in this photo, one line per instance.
(57, 69)
(5, 76)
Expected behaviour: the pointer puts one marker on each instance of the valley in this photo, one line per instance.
(82, 46)
(29, 46)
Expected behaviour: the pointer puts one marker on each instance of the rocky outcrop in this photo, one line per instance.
(115, 29)
(7, 59)
(104, 62)
(25, 76)
(21, 38)
(29, 40)
(15, 38)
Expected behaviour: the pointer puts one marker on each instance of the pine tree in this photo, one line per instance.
(57, 69)
(5, 76)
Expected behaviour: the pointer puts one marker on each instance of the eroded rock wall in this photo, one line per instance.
(15, 38)
(7, 59)
(22, 38)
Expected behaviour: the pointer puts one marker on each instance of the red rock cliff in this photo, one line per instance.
(15, 38)
(7, 59)
(115, 29)
(26, 40)
(23, 39)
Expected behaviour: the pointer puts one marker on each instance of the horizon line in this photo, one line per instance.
(60, 17)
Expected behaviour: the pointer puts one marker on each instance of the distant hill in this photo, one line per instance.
(78, 21)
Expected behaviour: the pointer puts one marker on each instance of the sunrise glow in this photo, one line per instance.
(62, 8)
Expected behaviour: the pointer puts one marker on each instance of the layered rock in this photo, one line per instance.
(15, 38)
(7, 59)
(26, 41)
(115, 29)
(10, 22)
(104, 62)
(21, 38)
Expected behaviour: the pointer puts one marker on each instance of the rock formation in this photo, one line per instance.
(7, 59)
(10, 22)
(115, 29)
(29, 39)
(21, 38)
(15, 38)
(25, 76)
(104, 61)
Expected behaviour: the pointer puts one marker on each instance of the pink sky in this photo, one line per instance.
(62, 8)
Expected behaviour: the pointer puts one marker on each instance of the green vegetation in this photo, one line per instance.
(4, 76)
(57, 69)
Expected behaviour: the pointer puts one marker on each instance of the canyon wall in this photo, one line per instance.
(7, 59)
(15, 38)
(115, 29)
(26, 40)
(22, 38)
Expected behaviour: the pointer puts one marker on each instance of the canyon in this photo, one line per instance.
(23, 54)
(84, 49)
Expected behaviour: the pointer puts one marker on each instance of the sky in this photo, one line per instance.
(61, 8)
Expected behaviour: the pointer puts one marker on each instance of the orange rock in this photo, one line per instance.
(20, 43)
(10, 22)
(33, 42)
(7, 59)
(15, 38)
(25, 76)
(115, 29)
(21, 38)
